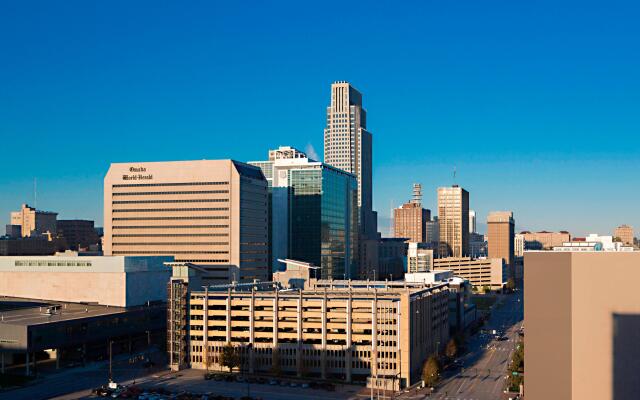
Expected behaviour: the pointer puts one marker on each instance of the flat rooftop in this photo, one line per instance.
(26, 312)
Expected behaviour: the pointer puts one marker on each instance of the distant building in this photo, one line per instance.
(433, 233)
(500, 238)
(392, 258)
(13, 231)
(477, 245)
(453, 216)
(31, 246)
(490, 272)
(410, 220)
(78, 233)
(472, 221)
(419, 257)
(625, 233)
(34, 222)
(205, 212)
(582, 322)
(518, 245)
(544, 240)
(593, 242)
(313, 216)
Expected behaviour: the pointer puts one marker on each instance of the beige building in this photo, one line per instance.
(34, 222)
(625, 233)
(518, 245)
(582, 323)
(208, 212)
(355, 331)
(410, 219)
(453, 218)
(419, 257)
(544, 240)
(480, 272)
(500, 237)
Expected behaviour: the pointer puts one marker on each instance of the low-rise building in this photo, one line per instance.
(419, 257)
(593, 242)
(120, 281)
(481, 272)
(379, 332)
(544, 240)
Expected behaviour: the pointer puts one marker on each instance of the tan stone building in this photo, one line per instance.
(453, 218)
(582, 324)
(625, 233)
(34, 222)
(208, 212)
(356, 331)
(500, 237)
(410, 219)
(480, 272)
(544, 240)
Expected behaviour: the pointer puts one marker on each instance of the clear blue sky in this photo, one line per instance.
(537, 103)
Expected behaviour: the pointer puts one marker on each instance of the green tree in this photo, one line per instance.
(511, 284)
(229, 357)
(452, 349)
(486, 289)
(431, 371)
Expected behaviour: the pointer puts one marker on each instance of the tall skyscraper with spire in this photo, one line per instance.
(348, 146)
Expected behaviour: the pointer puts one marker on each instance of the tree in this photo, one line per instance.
(511, 284)
(486, 289)
(229, 357)
(431, 371)
(452, 349)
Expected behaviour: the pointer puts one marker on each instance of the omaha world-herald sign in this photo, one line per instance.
(137, 174)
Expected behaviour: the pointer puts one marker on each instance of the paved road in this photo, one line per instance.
(484, 367)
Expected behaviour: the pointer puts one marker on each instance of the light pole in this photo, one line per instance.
(110, 361)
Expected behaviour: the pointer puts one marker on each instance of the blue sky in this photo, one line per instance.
(535, 103)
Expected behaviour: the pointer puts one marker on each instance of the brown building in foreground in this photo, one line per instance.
(410, 219)
(625, 233)
(582, 322)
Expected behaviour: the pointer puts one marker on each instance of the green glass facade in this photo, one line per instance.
(323, 219)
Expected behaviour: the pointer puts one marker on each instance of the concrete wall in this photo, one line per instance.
(582, 322)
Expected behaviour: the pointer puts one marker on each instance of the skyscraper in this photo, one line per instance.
(348, 146)
(472, 221)
(453, 216)
(500, 236)
(313, 214)
(410, 220)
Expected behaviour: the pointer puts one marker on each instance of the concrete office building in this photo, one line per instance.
(30, 246)
(453, 216)
(472, 221)
(625, 233)
(348, 146)
(419, 257)
(34, 222)
(593, 242)
(313, 214)
(410, 219)
(518, 245)
(480, 272)
(206, 212)
(477, 245)
(500, 238)
(544, 240)
(433, 233)
(582, 324)
(117, 281)
(78, 233)
(352, 331)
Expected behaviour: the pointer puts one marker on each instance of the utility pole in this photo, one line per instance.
(110, 361)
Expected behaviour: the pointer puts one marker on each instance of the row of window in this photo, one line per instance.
(170, 184)
(168, 193)
(171, 201)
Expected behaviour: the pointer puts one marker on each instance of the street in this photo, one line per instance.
(483, 369)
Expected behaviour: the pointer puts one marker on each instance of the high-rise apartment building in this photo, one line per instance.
(34, 222)
(500, 236)
(207, 212)
(313, 214)
(410, 220)
(472, 221)
(453, 216)
(582, 323)
(625, 234)
(348, 146)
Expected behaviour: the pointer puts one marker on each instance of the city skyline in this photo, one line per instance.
(166, 94)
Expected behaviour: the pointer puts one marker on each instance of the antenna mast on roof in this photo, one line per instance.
(454, 174)
(35, 193)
